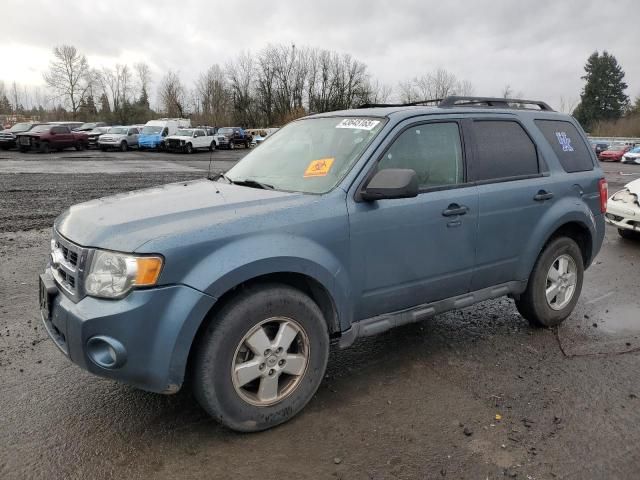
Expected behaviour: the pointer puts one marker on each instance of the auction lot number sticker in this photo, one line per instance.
(358, 123)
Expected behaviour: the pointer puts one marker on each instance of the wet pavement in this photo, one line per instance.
(418, 402)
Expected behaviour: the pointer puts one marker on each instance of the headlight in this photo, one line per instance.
(113, 275)
(625, 196)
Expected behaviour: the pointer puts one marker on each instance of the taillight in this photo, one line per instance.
(604, 192)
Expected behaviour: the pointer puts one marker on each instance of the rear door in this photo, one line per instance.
(513, 195)
(412, 251)
(63, 137)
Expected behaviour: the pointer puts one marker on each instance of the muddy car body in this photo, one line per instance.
(342, 225)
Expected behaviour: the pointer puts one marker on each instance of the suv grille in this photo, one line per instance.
(67, 266)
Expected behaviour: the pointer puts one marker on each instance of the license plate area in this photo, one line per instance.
(47, 294)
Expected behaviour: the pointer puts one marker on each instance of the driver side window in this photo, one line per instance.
(433, 150)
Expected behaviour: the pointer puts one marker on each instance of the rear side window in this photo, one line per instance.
(567, 144)
(503, 150)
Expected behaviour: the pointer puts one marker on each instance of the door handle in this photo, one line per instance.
(454, 209)
(543, 195)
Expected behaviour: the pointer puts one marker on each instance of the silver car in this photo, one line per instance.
(122, 138)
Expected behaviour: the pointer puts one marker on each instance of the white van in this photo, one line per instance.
(155, 131)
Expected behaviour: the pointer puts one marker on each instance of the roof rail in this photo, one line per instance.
(461, 101)
(496, 102)
(435, 101)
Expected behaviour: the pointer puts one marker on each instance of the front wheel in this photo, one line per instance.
(262, 358)
(189, 148)
(212, 147)
(554, 284)
(124, 147)
(231, 145)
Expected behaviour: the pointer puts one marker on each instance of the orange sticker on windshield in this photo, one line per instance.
(319, 168)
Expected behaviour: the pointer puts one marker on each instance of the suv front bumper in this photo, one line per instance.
(143, 339)
(623, 215)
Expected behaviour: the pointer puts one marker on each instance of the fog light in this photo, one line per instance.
(106, 352)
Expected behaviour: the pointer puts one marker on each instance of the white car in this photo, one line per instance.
(632, 156)
(623, 210)
(189, 140)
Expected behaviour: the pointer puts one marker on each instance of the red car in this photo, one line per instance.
(614, 153)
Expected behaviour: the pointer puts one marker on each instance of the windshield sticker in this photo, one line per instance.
(564, 141)
(358, 123)
(319, 168)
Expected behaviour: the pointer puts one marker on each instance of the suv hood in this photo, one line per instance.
(125, 221)
(112, 136)
(178, 137)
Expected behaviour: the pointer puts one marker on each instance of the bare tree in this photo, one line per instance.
(241, 75)
(69, 76)
(435, 85)
(172, 95)
(213, 96)
(568, 105)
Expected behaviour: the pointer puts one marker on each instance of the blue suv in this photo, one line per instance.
(341, 225)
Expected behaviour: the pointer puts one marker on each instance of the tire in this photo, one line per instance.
(628, 234)
(533, 304)
(104, 149)
(245, 407)
(231, 145)
(5, 147)
(23, 150)
(44, 147)
(212, 147)
(124, 146)
(80, 146)
(246, 145)
(188, 148)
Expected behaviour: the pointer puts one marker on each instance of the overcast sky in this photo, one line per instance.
(539, 47)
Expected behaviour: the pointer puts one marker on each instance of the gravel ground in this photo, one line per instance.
(471, 394)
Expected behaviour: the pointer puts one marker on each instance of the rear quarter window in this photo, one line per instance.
(572, 152)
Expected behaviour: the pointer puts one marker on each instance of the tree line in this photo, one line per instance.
(273, 86)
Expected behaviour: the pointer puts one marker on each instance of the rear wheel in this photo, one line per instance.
(261, 359)
(212, 147)
(79, 146)
(628, 234)
(554, 284)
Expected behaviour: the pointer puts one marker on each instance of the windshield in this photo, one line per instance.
(151, 130)
(225, 131)
(617, 148)
(100, 130)
(87, 126)
(40, 128)
(119, 130)
(309, 156)
(20, 127)
(635, 150)
(184, 133)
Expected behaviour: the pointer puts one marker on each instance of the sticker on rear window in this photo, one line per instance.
(564, 141)
(358, 123)
(319, 168)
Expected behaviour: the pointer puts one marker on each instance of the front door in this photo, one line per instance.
(408, 252)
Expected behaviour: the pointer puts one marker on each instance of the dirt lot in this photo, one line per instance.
(472, 394)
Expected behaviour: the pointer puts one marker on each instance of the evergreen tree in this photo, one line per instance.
(143, 101)
(105, 108)
(603, 96)
(5, 105)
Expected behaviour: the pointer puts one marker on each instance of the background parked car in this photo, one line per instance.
(155, 131)
(189, 140)
(87, 127)
(122, 138)
(614, 153)
(45, 138)
(599, 147)
(623, 210)
(94, 134)
(231, 137)
(71, 125)
(8, 136)
(632, 156)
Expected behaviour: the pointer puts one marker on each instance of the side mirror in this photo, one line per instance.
(391, 183)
